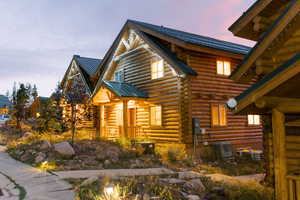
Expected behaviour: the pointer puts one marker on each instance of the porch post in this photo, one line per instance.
(278, 124)
(125, 120)
(97, 120)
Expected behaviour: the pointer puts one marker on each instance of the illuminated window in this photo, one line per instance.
(119, 117)
(253, 119)
(155, 116)
(223, 67)
(157, 69)
(218, 115)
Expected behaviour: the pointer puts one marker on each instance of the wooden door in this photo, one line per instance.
(131, 122)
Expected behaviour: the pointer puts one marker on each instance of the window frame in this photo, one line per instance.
(150, 116)
(157, 72)
(223, 66)
(253, 119)
(218, 106)
(120, 73)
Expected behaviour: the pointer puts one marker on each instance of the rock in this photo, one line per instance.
(40, 157)
(64, 148)
(188, 175)
(146, 197)
(193, 197)
(45, 144)
(195, 185)
(27, 134)
(106, 163)
(100, 156)
(89, 181)
(172, 180)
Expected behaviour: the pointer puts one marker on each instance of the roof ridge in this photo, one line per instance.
(185, 32)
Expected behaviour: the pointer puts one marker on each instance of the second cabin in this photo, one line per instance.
(166, 85)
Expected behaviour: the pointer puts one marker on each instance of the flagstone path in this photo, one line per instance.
(19, 181)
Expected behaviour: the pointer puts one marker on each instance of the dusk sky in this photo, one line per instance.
(39, 37)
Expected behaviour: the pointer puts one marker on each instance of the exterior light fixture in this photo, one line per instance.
(109, 189)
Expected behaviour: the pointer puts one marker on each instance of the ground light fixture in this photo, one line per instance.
(109, 189)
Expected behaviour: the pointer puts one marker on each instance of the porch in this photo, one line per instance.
(120, 104)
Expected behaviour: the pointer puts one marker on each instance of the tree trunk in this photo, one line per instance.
(73, 128)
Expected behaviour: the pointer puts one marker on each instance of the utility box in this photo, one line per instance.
(223, 150)
(196, 126)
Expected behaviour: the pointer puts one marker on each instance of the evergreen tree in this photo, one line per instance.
(20, 98)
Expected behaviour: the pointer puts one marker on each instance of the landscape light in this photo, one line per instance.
(109, 189)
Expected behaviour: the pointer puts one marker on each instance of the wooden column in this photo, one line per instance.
(102, 121)
(278, 124)
(97, 115)
(125, 118)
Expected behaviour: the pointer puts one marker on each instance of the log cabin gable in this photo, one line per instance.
(274, 48)
(74, 80)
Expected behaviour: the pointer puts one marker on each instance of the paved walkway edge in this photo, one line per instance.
(113, 173)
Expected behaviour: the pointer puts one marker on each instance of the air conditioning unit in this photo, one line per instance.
(223, 150)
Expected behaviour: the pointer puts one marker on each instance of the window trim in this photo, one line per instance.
(157, 72)
(121, 71)
(161, 116)
(219, 114)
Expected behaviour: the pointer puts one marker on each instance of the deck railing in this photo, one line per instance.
(113, 132)
(293, 187)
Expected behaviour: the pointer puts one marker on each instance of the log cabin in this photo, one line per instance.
(275, 63)
(37, 105)
(77, 86)
(5, 104)
(154, 82)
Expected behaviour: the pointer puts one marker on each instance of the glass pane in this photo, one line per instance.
(256, 119)
(158, 115)
(152, 115)
(227, 69)
(222, 115)
(220, 69)
(215, 115)
(154, 70)
(250, 119)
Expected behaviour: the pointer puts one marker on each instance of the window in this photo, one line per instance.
(119, 76)
(253, 119)
(155, 115)
(218, 115)
(157, 69)
(223, 67)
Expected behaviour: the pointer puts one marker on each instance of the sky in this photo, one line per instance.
(39, 37)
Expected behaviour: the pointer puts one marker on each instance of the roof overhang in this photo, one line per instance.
(251, 97)
(264, 43)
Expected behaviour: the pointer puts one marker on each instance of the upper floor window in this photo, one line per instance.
(218, 115)
(157, 69)
(223, 67)
(253, 119)
(119, 76)
(155, 115)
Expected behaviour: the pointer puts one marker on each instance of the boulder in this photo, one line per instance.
(45, 144)
(173, 180)
(188, 175)
(64, 148)
(193, 197)
(195, 185)
(27, 134)
(40, 157)
(89, 181)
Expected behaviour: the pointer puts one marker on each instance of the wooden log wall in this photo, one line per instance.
(163, 91)
(210, 88)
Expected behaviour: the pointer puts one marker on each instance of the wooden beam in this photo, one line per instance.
(125, 118)
(285, 105)
(262, 70)
(280, 168)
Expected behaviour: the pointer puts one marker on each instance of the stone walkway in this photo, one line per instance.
(113, 173)
(18, 179)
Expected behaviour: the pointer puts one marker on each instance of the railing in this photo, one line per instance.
(293, 187)
(113, 132)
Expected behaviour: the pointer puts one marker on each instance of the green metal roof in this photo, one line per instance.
(124, 89)
(89, 65)
(270, 76)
